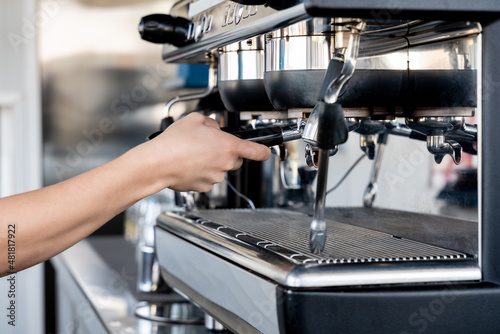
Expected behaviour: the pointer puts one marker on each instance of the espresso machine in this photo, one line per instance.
(314, 76)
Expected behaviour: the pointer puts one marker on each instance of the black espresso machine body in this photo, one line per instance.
(381, 270)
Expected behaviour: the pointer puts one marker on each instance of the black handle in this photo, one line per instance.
(269, 136)
(332, 129)
(162, 28)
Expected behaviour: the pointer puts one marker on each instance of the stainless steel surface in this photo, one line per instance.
(241, 76)
(296, 48)
(254, 43)
(242, 65)
(298, 53)
(100, 296)
(440, 147)
(149, 269)
(255, 21)
(241, 300)
(212, 324)
(273, 243)
(225, 23)
(349, 59)
(316, 26)
(435, 128)
(300, 46)
(368, 144)
(414, 33)
(425, 56)
(334, 88)
(310, 134)
(294, 134)
(179, 313)
(242, 61)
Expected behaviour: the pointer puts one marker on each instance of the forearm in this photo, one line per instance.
(192, 155)
(51, 219)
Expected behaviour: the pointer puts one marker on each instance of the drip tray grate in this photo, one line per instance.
(286, 233)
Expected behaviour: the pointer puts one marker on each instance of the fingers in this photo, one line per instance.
(246, 149)
(253, 151)
(237, 164)
(197, 117)
(242, 148)
(211, 122)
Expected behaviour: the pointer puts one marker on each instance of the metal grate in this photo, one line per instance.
(287, 233)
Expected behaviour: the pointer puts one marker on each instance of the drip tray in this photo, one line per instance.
(274, 243)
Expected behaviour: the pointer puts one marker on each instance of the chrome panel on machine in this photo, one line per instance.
(214, 27)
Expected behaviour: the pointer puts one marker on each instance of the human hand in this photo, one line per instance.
(194, 154)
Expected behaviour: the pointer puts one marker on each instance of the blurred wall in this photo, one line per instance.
(20, 152)
(103, 87)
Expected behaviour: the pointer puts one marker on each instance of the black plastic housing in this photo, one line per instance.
(377, 88)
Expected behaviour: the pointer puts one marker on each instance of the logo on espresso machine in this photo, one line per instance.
(236, 12)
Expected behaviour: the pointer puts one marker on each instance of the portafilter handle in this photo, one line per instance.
(269, 135)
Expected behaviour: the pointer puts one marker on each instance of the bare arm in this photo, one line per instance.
(193, 154)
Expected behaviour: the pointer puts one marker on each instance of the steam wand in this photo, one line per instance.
(332, 131)
(326, 128)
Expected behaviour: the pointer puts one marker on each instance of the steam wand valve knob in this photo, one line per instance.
(332, 131)
(163, 28)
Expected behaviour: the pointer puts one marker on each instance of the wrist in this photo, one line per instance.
(144, 170)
